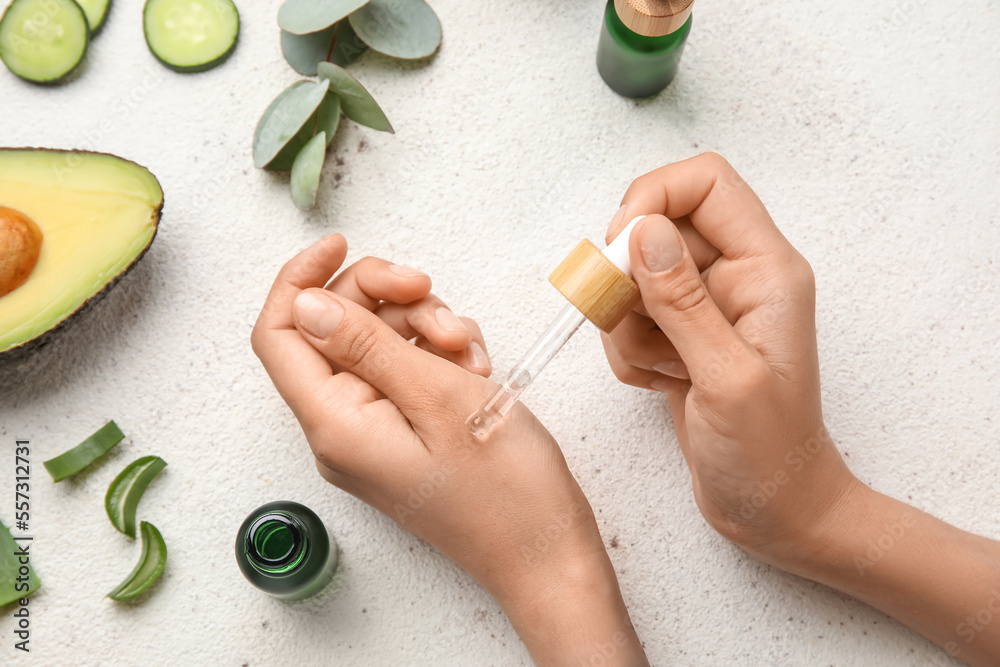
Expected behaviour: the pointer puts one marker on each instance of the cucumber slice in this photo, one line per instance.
(43, 40)
(96, 11)
(191, 35)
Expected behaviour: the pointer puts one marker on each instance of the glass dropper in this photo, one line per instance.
(518, 379)
(599, 287)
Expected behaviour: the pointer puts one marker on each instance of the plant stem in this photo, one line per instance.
(333, 42)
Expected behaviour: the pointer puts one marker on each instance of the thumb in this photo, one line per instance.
(678, 301)
(358, 341)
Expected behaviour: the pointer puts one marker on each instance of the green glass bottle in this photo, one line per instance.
(285, 550)
(641, 44)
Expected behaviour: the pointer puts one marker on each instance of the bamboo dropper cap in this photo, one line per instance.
(654, 18)
(599, 289)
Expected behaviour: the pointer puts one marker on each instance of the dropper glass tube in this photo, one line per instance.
(502, 400)
(598, 287)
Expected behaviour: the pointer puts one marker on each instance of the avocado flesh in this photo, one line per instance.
(98, 214)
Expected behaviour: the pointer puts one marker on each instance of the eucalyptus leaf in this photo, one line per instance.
(306, 170)
(286, 156)
(328, 116)
(325, 118)
(348, 46)
(304, 16)
(408, 30)
(284, 117)
(304, 52)
(356, 102)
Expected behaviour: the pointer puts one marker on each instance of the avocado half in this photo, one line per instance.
(98, 215)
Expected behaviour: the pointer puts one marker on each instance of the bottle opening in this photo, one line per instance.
(275, 542)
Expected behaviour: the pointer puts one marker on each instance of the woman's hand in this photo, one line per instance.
(386, 422)
(726, 329)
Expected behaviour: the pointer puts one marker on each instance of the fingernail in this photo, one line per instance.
(661, 246)
(317, 315)
(449, 320)
(661, 384)
(405, 271)
(675, 369)
(617, 223)
(477, 356)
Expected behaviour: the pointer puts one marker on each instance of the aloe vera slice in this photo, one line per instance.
(151, 562)
(124, 493)
(10, 569)
(73, 461)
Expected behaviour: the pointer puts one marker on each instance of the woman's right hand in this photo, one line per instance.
(726, 330)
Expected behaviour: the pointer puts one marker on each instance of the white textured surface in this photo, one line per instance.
(869, 130)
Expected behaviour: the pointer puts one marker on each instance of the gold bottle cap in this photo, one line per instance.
(654, 18)
(598, 288)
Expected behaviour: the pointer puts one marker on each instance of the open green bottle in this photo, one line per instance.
(641, 44)
(285, 550)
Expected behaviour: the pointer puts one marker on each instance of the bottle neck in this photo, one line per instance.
(276, 543)
(653, 18)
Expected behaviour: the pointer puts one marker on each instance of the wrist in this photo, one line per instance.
(561, 594)
(809, 515)
(575, 615)
(830, 542)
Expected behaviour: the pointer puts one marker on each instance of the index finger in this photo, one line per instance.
(717, 201)
(295, 367)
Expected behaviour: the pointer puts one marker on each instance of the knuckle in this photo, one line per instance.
(437, 406)
(370, 263)
(363, 345)
(635, 355)
(256, 344)
(716, 160)
(749, 383)
(629, 374)
(688, 293)
(728, 181)
(473, 327)
(801, 274)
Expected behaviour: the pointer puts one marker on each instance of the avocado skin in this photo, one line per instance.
(20, 353)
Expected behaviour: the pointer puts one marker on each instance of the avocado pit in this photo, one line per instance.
(20, 245)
